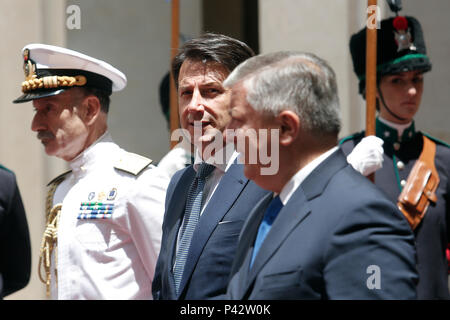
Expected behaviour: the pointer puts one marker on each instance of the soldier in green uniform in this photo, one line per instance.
(401, 64)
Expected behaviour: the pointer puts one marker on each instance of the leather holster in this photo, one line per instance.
(419, 190)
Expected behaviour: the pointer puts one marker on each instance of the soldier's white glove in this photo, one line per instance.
(367, 156)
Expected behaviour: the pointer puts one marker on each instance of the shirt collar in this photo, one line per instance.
(220, 160)
(100, 149)
(296, 180)
(393, 132)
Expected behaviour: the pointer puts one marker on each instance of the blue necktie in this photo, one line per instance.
(269, 217)
(191, 217)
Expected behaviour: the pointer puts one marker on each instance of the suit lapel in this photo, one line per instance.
(174, 216)
(293, 213)
(318, 179)
(288, 218)
(226, 193)
(249, 230)
(247, 237)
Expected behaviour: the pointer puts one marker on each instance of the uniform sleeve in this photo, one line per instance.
(161, 261)
(15, 248)
(145, 213)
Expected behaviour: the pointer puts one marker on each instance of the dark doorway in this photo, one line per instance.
(234, 18)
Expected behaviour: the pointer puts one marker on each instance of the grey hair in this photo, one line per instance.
(296, 81)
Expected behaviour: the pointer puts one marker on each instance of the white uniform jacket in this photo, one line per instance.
(109, 230)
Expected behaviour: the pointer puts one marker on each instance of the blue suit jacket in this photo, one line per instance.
(208, 265)
(338, 237)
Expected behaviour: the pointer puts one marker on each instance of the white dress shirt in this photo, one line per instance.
(297, 179)
(113, 257)
(222, 162)
(176, 159)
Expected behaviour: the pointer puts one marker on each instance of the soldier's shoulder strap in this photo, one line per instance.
(436, 140)
(421, 185)
(132, 163)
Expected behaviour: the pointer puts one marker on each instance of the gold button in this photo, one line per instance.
(400, 165)
(396, 146)
(403, 183)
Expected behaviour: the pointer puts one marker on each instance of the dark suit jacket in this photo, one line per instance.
(338, 237)
(15, 249)
(214, 242)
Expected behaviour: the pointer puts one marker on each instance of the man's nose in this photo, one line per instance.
(196, 105)
(37, 123)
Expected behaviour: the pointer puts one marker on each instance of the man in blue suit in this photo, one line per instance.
(324, 231)
(201, 269)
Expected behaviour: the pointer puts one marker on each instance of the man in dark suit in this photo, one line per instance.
(197, 265)
(15, 248)
(325, 231)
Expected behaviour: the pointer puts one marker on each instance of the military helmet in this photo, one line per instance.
(400, 48)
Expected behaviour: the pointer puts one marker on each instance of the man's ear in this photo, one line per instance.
(92, 109)
(289, 123)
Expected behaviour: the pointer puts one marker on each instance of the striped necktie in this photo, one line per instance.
(191, 218)
(269, 217)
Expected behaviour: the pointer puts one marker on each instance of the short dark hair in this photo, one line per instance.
(102, 96)
(212, 47)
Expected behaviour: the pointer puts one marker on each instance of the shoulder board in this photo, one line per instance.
(436, 140)
(6, 169)
(132, 163)
(352, 137)
(59, 178)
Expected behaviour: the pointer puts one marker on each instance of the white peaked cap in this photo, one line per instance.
(53, 57)
(51, 70)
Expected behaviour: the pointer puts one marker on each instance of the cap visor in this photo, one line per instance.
(29, 96)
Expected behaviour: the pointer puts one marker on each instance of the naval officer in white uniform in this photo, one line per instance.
(104, 216)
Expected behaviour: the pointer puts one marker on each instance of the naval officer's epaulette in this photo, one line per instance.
(436, 140)
(59, 178)
(132, 163)
(355, 136)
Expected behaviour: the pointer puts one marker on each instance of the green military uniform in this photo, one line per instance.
(432, 234)
(401, 48)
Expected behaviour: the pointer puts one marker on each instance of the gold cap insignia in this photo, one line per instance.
(29, 67)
